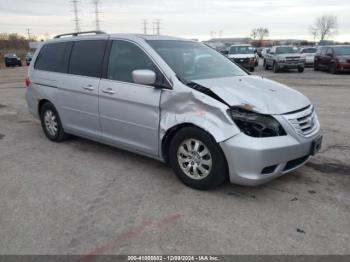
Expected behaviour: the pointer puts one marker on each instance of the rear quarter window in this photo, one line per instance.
(53, 57)
(87, 57)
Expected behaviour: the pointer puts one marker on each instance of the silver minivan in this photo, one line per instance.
(174, 100)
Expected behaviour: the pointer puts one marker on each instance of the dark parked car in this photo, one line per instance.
(12, 60)
(333, 58)
(29, 57)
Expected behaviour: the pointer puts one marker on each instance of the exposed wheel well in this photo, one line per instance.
(169, 136)
(40, 105)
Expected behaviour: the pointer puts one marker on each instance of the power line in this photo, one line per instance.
(97, 14)
(76, 16)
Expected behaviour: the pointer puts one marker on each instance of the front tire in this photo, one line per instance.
(333, 69)
(275, 67)
(51, 123)
(301, 69)
(251, 69)
(266, 67)
(197, 159)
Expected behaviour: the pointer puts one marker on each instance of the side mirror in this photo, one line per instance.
(144, 77)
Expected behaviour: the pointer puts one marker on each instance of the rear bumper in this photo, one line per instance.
(254, 161)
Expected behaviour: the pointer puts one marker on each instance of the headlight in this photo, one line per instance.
(342, 60)
(255, 124)
(281, 59)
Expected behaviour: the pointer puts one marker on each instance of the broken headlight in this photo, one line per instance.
(255, 124)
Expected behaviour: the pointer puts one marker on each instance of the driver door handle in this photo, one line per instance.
(108, 91)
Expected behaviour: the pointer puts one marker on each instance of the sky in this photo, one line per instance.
(185, 18)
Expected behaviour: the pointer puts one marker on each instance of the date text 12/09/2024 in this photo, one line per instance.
(173, 258)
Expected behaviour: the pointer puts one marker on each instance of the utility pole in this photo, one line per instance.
(157, 22)
(97, 12)
(153, 27)
(144, 23)
(76, 16)
(28, 32)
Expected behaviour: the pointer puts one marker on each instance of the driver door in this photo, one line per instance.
(129, 112)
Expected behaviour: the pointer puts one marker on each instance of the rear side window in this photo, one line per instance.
(53, 57)
(86, 58)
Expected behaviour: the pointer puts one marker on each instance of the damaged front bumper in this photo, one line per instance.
(254, 161)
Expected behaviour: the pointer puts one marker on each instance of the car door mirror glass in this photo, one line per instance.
(144, 77)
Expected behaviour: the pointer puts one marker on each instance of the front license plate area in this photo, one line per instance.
(316, 145)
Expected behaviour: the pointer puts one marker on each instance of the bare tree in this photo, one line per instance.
(324, 27)
(254, 34)
(262, 33)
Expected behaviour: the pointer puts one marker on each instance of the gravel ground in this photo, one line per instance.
(81, 197)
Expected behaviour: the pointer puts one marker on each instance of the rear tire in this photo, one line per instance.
(51, 123)
(316, 68)
(197, 159)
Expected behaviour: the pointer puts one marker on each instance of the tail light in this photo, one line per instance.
(27, 81)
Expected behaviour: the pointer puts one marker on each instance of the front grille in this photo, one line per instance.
(242, 60)
(292, 59)
(305, 122)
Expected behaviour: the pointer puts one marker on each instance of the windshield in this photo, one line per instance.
(309, 50)
(342, 50)
(286, 50)
(241, 50)
(11, 55)
(194, 61)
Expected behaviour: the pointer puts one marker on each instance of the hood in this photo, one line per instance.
(241, 55)
(256, 93)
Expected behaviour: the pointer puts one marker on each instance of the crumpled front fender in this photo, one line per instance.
(192, 107)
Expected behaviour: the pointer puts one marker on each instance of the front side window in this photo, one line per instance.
(329, 51)
(53, 58)
(194, 61)
(125, 57)
(86, 58)
(324, 50)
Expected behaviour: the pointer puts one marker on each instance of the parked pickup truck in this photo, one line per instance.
(284, 57)
(244, 56)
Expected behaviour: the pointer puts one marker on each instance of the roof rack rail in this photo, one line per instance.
(81, 33)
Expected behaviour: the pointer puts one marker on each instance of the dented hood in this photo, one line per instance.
(256, 93)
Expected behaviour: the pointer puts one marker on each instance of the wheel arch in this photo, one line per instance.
(41, 103)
